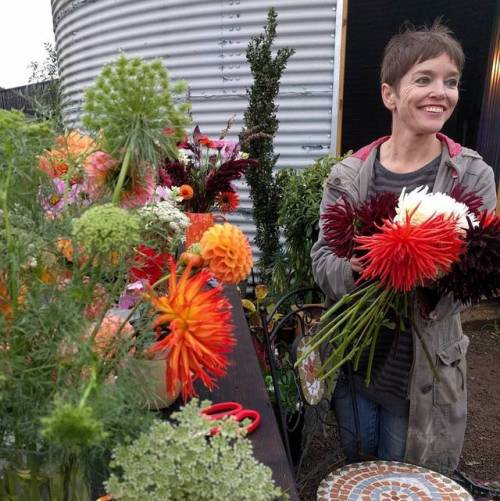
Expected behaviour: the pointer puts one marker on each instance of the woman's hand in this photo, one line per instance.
(356, 265)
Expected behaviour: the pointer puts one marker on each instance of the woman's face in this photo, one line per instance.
(426, 97)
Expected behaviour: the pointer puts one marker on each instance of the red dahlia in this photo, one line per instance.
(402, 256)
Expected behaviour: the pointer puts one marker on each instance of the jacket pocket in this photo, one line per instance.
(451, 368)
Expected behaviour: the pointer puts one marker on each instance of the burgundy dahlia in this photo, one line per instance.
(339, 226)
(477, 275)
(373, 212)
(474, 202)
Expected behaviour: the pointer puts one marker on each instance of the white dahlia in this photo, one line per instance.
(421, 205)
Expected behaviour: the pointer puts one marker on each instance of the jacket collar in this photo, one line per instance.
(449, 170)
(453, 148)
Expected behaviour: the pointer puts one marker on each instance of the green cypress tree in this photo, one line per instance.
(261, 125)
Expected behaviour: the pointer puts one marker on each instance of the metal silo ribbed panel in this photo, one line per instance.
(204, 42)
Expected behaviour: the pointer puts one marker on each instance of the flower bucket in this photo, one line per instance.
(151, 376)
(200, 222)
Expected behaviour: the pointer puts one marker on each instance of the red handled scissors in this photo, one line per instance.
(234, 409)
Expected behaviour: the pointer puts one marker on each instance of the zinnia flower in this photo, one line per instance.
(227, 253)
(71, 149)
(227, 201)
(186, 192)
(404, 255)
(477, 274)
(339, 220)
(200, 327)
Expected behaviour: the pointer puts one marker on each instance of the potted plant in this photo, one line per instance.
(204, 168)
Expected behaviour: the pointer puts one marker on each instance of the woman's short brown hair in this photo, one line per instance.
(414, 46)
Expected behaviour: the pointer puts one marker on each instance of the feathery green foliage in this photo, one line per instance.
(261, 125)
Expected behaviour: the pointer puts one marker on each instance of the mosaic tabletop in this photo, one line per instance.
(389, 481)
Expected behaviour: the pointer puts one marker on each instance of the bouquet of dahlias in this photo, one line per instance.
(419, 239)
(205, 169)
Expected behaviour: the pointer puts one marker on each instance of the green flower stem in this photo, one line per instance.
(363, 328)
(348, 315)
(123, 172)
(88, 389)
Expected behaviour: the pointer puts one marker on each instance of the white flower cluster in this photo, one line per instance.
(421, 205)
(165, 222)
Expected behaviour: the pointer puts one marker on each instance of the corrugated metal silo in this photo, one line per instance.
(204, 42)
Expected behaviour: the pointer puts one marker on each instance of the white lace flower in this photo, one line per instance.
(421, 205)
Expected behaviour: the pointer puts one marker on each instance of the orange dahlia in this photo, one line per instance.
(227, 253)
(403, 255)
(186, 192)
(200, 330)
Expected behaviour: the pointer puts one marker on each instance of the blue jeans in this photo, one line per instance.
(382, 433)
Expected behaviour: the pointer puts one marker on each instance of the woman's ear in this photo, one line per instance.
(388, 96)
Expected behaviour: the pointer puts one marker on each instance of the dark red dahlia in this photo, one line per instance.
(474, 202)
(373, 212)
(477, 275)
(339, 226)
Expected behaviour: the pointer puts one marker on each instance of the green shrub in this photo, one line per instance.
(298, 218)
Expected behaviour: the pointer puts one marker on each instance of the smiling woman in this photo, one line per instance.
(403, 413)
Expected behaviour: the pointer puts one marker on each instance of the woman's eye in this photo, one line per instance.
(422, 80)
(452, 83)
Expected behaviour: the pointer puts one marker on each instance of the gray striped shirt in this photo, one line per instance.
(394, 350)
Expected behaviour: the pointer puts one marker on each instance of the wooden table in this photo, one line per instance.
(244, 384)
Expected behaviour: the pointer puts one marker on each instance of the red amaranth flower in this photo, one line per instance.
(477, 274)
(402, 256)
(339, 226)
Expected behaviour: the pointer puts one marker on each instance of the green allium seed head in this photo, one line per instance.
(103, 229)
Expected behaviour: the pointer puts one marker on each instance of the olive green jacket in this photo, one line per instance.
(438, 407)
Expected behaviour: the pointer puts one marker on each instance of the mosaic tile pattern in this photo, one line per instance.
(312, 388)
(389, 481)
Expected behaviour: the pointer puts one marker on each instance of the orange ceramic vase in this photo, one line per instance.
(200, 222)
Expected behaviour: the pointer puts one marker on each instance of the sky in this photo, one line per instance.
(24, 27)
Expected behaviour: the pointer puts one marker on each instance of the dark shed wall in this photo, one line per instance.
(371, 23)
